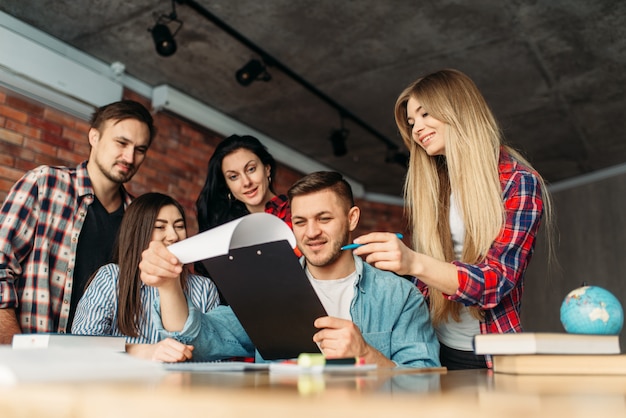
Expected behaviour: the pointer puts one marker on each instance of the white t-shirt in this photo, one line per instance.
(458, 335)
(336, 295)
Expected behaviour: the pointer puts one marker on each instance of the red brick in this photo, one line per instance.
(6, 159)
(16, 151)
(11, 113)
(27, 105)
(44, 159)
(167, 126)
(192, 134)
(5, 186)
(59, 117)
(25, 165)
(40, 147)
(82, 126)
(192, 188)
(146, 172)
(10, 173)
(74, 135)
(72, 158)
(164, 143)
(3, 97)
(82, 148)
(56, 140)
(23, 129)
(45, 125)
(10, 136)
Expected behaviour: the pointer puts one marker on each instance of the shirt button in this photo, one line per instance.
(66, 302)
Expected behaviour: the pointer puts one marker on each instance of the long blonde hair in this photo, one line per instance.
(473, 141)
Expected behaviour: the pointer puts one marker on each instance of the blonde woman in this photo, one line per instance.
(474, 206)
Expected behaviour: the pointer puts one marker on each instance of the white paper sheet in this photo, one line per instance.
(256, 228)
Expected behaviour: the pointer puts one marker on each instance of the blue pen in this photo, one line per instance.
(353, 246)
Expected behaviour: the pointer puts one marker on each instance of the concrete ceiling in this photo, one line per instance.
(553, 71)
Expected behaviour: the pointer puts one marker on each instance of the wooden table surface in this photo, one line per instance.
(381, 394)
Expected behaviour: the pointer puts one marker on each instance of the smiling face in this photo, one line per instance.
(118, 150)
(247, 179)
(169, 226)
(322, 224)
(426, 131)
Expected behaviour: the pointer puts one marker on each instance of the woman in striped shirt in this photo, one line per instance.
(116, 302)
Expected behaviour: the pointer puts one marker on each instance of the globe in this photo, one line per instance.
(592, 310)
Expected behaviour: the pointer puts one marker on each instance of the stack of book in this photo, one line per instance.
(552, 353)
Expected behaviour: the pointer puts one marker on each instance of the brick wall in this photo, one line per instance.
(32, 134)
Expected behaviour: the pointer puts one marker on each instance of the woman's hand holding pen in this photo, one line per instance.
(384, 250)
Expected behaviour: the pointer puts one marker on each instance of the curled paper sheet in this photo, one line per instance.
(256, 228)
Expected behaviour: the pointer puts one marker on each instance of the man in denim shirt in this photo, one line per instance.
(373, 314)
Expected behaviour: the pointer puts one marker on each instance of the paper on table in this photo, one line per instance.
(215, 366)
(256, 228)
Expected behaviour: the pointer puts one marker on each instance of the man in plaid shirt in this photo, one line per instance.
(58, 224)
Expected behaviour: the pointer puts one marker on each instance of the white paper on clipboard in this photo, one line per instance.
(252, 229)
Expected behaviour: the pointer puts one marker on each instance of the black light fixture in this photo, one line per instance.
(252, 71)
(338, 140)
(164, 41)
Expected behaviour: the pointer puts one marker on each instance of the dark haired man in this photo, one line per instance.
(372, 314)
(58, 224)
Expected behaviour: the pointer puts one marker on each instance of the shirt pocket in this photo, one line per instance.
(381, 341)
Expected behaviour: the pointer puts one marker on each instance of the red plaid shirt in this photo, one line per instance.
(496, 284)
(279, 206)
(40, 222)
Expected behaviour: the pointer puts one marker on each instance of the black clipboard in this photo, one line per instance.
(251, 260)
(271, 296)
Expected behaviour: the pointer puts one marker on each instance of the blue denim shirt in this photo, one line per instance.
(389, 310)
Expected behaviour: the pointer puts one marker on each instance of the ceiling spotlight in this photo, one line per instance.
(338, 141)
(164, 41)
(253, 70)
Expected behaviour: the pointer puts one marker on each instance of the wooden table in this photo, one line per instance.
(380, 394)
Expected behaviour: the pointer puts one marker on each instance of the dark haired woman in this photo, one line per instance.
(239, 182)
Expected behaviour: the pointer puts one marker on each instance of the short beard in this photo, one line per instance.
(335, 254)
(117, 179)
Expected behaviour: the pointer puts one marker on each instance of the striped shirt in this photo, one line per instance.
(41, 220)
(496, 284)
(96, 313)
